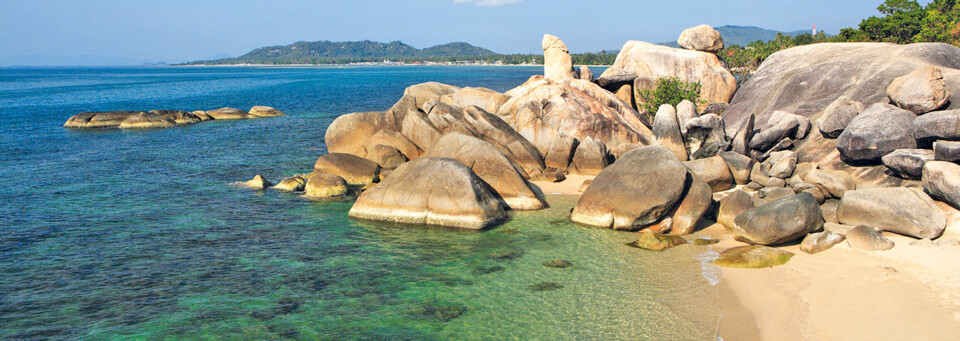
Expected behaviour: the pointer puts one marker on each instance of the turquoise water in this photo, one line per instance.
(138, 234)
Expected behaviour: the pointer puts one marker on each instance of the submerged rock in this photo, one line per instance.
(545, 286)
(294, 183)
(753, 257)
(557, 263)
(258, 182)
(432, 191)
(653, 241)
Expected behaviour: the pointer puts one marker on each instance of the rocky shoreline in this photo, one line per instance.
(156, 119)
(826, 144)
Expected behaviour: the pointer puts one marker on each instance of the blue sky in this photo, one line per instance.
(115, 31)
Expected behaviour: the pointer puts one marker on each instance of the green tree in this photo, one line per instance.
(669, 90)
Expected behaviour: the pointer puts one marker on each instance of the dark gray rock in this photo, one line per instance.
(880, 129)
(780, 164)
(705, 136)
(769, 137)
(768, 224)
(837, 115)
(907, 163)
(942, 180)
(946, 151)
(938, 125)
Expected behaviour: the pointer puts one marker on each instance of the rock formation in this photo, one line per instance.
(557, 64)
(701, 38)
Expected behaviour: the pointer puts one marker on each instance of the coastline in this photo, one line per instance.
(909, 292)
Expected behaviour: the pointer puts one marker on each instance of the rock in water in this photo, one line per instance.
(178, 116)
(355, 170)
(868, 238)
(667, 131)
(557, 63)
(634, 192)
(732, 206)
(258, 182)
(228, 114)
(752, 257)
(907, 163)
(920, 91)
(833, 182)
(264, 111)
(838, 115)
(938, 125)
(906, 211)
(779, 221)
(701, 38)
(590, 158)
(880, 129)
(146, 121)
(654, 61)
(653, 241)
(321, 185)
(432, 191)
(817, 242)
(103, 119)
(946, 151)
(492, 167)
(714, 171)
(294, 183)
(942, 180)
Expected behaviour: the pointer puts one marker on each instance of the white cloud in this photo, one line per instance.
(487, 2)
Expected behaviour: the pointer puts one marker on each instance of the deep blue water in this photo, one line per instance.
(138, 234)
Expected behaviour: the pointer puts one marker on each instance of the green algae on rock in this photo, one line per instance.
(653, 241)
(752, 257)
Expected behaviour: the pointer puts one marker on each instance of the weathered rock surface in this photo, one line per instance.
(228, 114)
(585, 73)
(294, 183)
(695, 203)
(780, 164)
(769, 137)
(653, 241)
(355, 170)
(907, 211)
(557, 63)
(491, 166)
(634, 192)
(938, 125)
(258, 182)
(145, 120)
(701, 38)
(655, 61)
(103, 119)
(868, 238)
(920, 91)
(561, 152)
(829, 209)
(821, 241)
(942, 180)
(803, 123)
(838, 115)
(264, 111)
(393, 139)
(743, 136)
(779, 221)
(880, 129)
(834, 182)
(321, 185)
(386, 156)
(714, 171)
(432, 191)
(752, 257)
(667, 131)
(483, 98)
(705, 136)
(946, 151)
(732, 206)
(774, 193)
(907, 163)
(840, 229)
(739, 165)
(590, 158)
(686, 111)
(419, 95)
(180, 117)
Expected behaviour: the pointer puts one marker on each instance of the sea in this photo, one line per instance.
(141, 235)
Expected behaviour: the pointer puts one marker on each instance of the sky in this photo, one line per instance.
(108, 32)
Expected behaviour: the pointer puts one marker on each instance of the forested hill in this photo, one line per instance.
(328, 52)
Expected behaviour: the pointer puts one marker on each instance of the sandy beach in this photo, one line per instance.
(911, 292)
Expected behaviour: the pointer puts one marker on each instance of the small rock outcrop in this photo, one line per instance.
(557, 63)
(752, 257)
(356, 170)
(907, 163)
(653, 241)
(907, 211)
(228, 114)
(768, 224)
(838, 115)
(264, 111)
(294, 183)
(920, 91)
(145, 120)
(942, 180)
(868, 238)
(258, 182)
(821, 241)
(701, 38)
(732, 206)
(321, 185)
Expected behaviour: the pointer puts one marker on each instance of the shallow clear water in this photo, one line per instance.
(119, 234)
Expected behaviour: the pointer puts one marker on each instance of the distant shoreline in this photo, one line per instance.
(361, 65)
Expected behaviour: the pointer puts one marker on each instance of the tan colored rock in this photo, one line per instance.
(422, 93)
(701, 38)
(264, 111)
(104, 119)
(732, 206)
(695, 203)
(714, 171)
(294, 183)
(355, 170)
(484, 98)
(561, 152)
(779, 221)
(667, 131)
(907, 211)
(818, 242)
(228, 114)
(387, 157)
(320, 185)
(258, 182)
(920, 91)
(942, 180)
(590, 158)
(557, 63)
(649, 60)
(201, 114)
(432, 191)
(393, 139)
(752, 257)
(585, 73)
(834, 182)
(177, 116)
(146, 121)
(868, 238)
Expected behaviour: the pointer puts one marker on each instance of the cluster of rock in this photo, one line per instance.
(162, 118)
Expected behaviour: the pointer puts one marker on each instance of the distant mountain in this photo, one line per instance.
(744, 35)
(328, 52)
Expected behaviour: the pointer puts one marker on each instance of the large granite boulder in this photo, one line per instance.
(920, 91)
(590, 158)
(946, 151)
(942, 180)
(880, 129)
(907, 163)
(907, 211)
(655, 61)
(779, 221)
(542, 111)
(585, 73)
(228, 114)
(557, 63)
(714, 171)
(634, 192)
(350, 133)
(701, 38)
(432, 191)
(393, 139)
(320, 185)
(491, 166)
(838, 115)
(686, 111)
(667, 131)
(743, 137)
(770, 136)
(387, 157)
(740, 166)
(732, 206)
(938, 125)
(145, 120)
(483, 98)
(696, 201)
(821, 241)
(419, 95)
(561, 152)
(355, 170)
